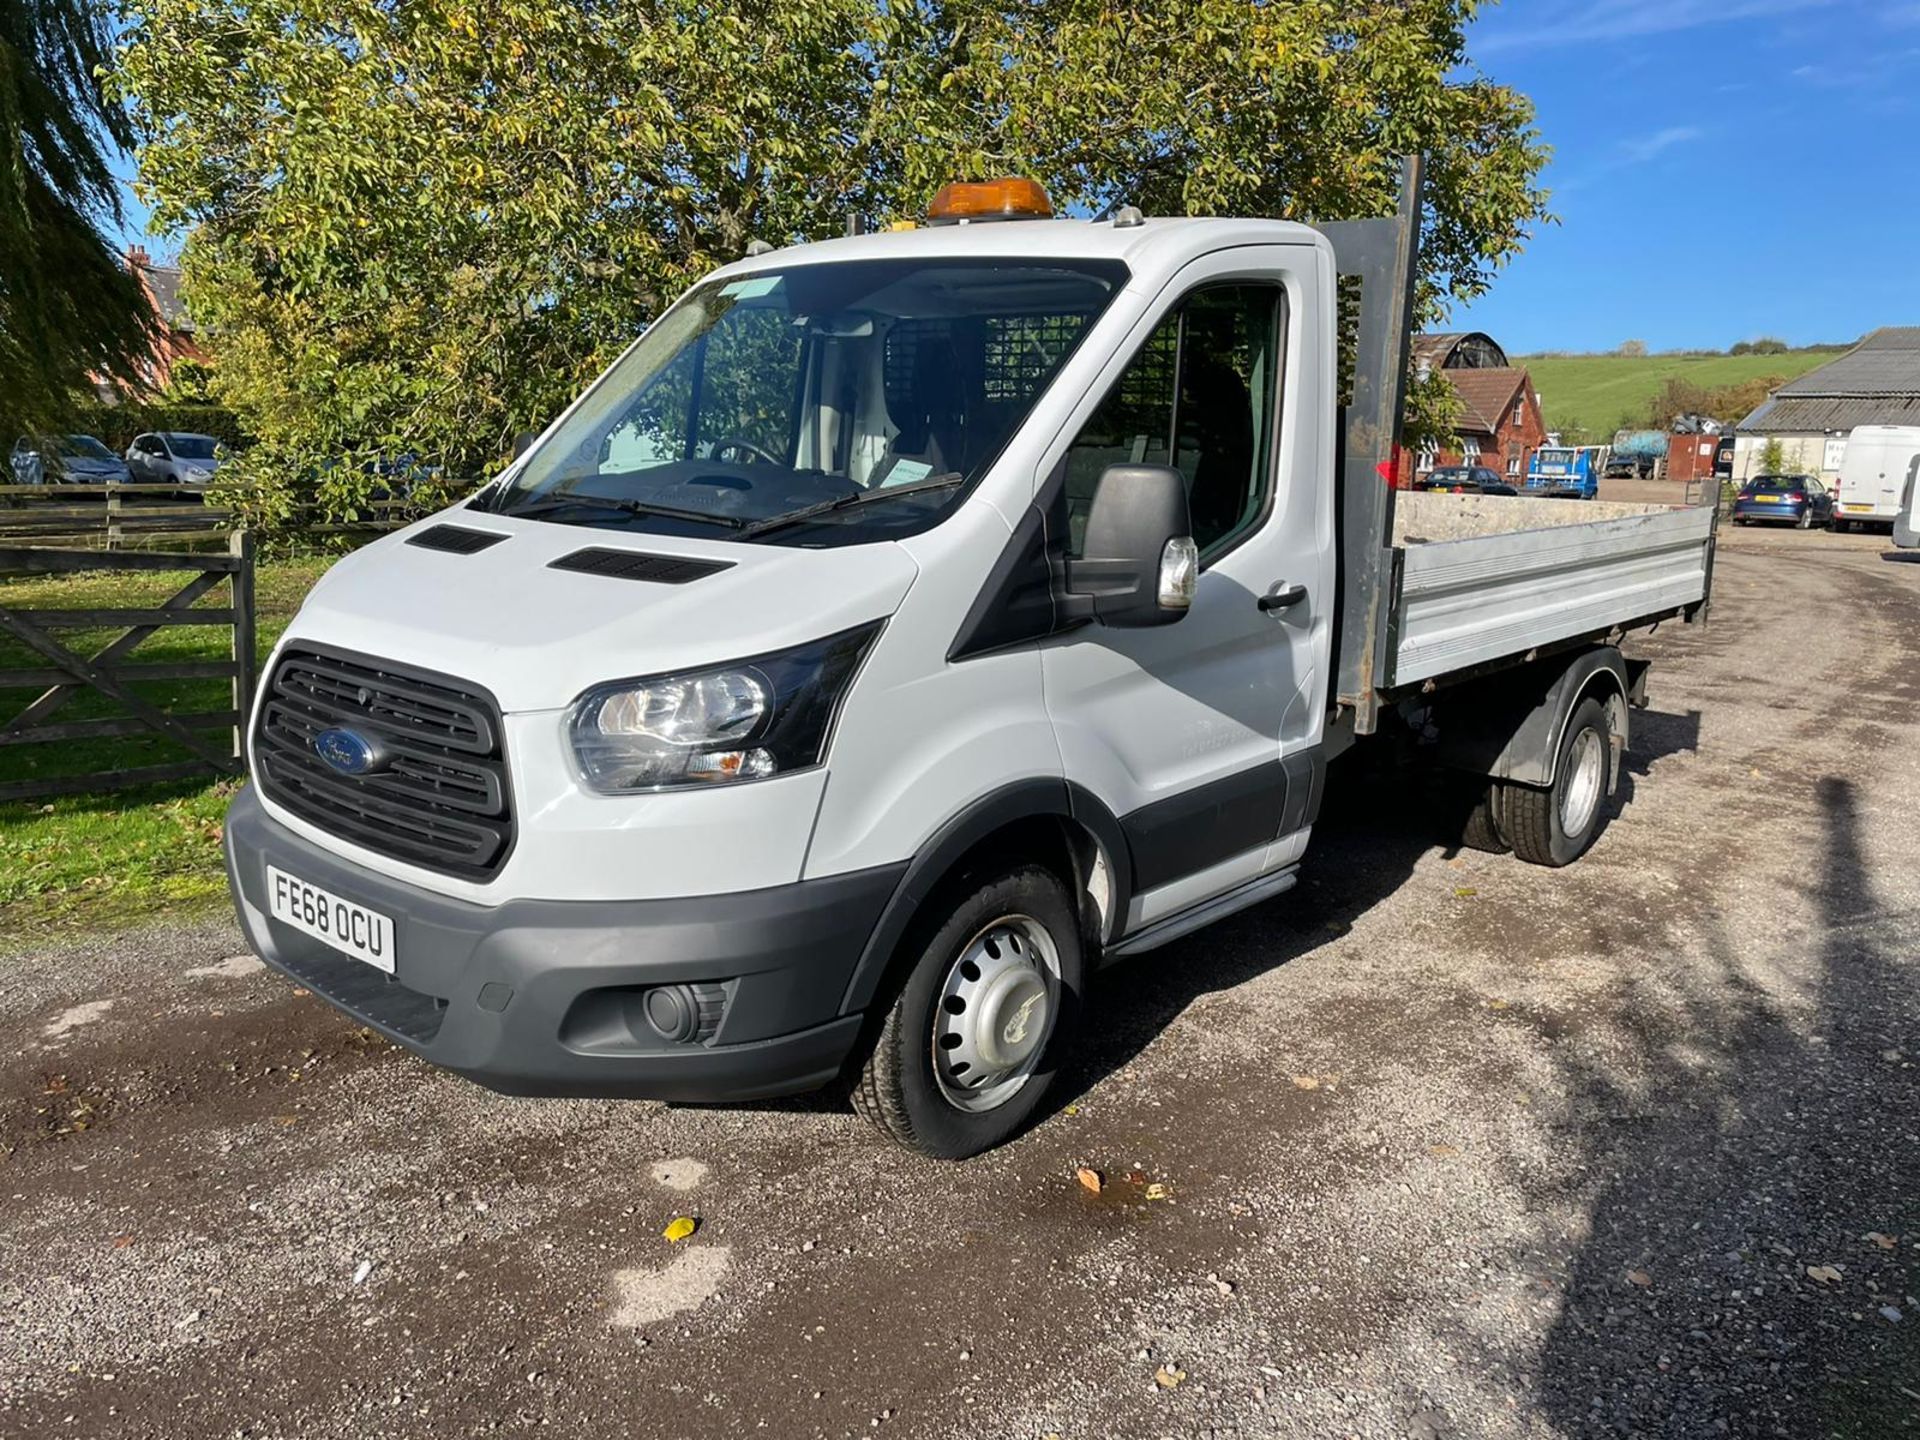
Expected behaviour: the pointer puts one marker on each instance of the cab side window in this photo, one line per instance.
(1198, 395)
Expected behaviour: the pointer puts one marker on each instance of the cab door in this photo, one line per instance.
(1203, 736)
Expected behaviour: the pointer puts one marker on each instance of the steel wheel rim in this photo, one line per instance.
(1585, 767)
(995, 1013)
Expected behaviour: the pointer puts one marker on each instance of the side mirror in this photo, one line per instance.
(1140, 562)
(523, 442)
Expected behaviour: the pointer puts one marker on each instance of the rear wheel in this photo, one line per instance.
(1805, 522)
(968, 1049)
(1482, 829)
(1554, 826)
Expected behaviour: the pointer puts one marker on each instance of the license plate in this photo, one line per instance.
(349, 928)
(1859, 509)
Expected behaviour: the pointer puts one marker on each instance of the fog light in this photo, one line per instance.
(685, 1014)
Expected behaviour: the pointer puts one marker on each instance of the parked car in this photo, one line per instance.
(1786, 499)
(1465, 480)
(671, 779)
(1629, 467)
(66, 460)
(173, 457)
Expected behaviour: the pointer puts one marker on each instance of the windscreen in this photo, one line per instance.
(85, 447)
(868, 394)
(191, 447)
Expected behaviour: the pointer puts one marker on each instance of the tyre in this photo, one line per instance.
(1805, 522)
(1482, 830)
(969, 1047)
(1555, 826)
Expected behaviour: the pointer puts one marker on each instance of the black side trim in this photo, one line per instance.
(455, 539)
(1186, 833)
(1025, 800)
(1020, 600)
(639, 565)
(1017, 603)
(1306, 784)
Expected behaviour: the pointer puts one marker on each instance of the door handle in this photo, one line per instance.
(1282, 596)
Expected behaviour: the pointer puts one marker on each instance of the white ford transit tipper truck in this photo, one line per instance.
(906, 626)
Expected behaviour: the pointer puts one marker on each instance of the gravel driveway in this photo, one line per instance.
(1435, 1145)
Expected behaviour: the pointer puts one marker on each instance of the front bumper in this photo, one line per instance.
(541, 997)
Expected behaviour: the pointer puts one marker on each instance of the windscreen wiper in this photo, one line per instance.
(848, 502)
(547, 503)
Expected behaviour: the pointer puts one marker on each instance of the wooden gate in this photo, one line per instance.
(110, 672)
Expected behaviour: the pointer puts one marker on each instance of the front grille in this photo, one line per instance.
(437, 796)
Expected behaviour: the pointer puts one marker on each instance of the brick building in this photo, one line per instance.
(1500, 423)
(178, 339)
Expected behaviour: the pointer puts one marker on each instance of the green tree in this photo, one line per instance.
(422, 227)
(69, 311)
(1773, 457)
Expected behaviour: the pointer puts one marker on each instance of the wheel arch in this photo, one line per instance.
(1055, 822)
(1509, 725)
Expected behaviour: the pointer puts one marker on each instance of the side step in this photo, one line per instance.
(1152, 937)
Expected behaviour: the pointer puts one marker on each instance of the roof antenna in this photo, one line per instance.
(758, 247)
(856, 225)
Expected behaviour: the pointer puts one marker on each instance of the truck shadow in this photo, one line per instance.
(1729, 1134)
(1377, 821)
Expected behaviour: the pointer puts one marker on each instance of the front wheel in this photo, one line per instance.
(969, 1048)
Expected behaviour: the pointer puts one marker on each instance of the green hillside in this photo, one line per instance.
(1601, 391)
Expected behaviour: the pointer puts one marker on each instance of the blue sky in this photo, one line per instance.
(1722, 169)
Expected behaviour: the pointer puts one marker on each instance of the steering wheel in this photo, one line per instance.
(744, 448)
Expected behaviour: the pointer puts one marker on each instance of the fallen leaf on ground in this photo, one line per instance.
(120, 1242)
(1443, 1150)
(1825, 1274)
(679, 1228)
(1499, 1004)
(1465, 892)
(1089, 1179)
(1874, 1237)
(1306, 1082)
(1640, 1278)
(1168, 1376)
(1157, 1191)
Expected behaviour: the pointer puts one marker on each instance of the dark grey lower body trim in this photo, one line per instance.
(1179, 836)
(1163, 932)
(560, 1012)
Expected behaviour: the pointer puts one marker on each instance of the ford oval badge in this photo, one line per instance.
(345, 751)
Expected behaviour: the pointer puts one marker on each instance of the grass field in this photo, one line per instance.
(94, 861)
(1600, 392)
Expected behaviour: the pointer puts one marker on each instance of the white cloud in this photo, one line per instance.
(1638, 152)
(1625, 19)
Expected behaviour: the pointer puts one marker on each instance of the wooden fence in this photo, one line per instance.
(117, 517)
(110, 672)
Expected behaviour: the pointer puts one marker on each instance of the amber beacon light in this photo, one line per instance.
(1012, 198)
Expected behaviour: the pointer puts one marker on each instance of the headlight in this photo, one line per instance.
(746, 721)
(194, 472)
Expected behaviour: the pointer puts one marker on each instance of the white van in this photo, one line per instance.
(905, 627)
(1876, 470)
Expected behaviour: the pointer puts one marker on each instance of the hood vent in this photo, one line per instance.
(455, 539)
(637, 565)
